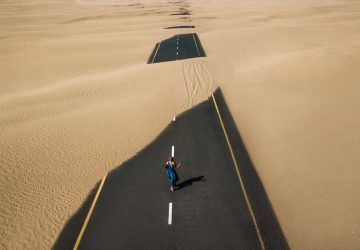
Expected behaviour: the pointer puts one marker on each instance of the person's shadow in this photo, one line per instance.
(189, 182)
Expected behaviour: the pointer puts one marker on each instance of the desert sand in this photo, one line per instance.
(77, 99)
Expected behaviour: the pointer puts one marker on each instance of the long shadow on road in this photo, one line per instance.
(132, 209)
(189, 182)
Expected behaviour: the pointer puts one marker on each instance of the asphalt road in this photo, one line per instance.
(178, 47)
(181, 27)
(209, 210)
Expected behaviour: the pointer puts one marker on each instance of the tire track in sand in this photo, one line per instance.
(198, 81)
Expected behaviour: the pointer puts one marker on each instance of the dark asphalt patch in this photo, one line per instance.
(181, 14)
(181, 27)
(176, 2)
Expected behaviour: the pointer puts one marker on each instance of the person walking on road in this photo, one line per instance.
(170, 166)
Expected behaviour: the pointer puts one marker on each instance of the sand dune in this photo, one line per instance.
(77, 99)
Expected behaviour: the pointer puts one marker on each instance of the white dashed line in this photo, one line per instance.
(172, 151)
(174, 119)
(170, 213)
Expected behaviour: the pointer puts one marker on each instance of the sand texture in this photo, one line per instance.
(77, 99)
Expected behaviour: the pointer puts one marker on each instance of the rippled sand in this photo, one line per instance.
(77, 99)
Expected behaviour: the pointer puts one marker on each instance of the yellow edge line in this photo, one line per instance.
(239, 176)
(89, 214)
(156, 52)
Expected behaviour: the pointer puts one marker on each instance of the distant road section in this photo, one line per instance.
(178, 47)
(181, 27)
(208, 210)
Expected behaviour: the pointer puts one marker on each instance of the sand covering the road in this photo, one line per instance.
(77, 99)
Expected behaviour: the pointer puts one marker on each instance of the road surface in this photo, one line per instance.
(209, 208)
(178, 47)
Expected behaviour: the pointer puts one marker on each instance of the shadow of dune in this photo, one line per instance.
(70, 232)
(268, 224)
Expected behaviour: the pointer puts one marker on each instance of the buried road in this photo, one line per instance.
(178, 47)
(213, 207)
(181, 27)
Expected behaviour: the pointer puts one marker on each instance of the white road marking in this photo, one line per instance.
(174, 119)
(172, 151)
(170, 213)
(177, 47)
(177, 53)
